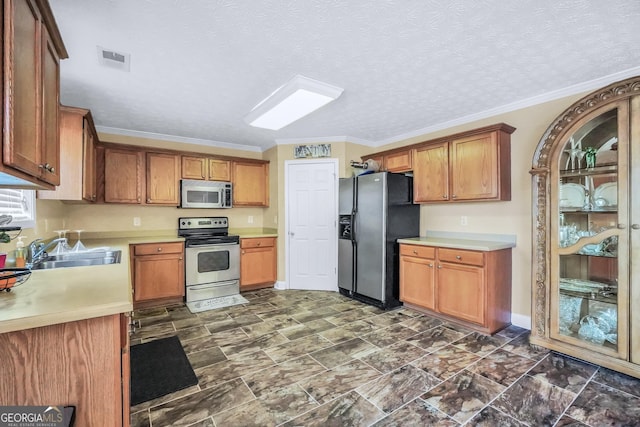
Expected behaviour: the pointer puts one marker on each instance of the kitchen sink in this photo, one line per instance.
(78, 259)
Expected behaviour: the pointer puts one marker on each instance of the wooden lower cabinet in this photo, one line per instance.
(258, 262)
(417, 273)
(472, 287)
(158, 273)
(83, 364)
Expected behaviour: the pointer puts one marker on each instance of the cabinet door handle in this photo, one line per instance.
(243, 252)
(159, 249)
(415, 252)
(259, 243)
(635, 226)
(444, 196)
(622, 226)
(458, 257)
(439, 266)
(430, 265)
(453, 196)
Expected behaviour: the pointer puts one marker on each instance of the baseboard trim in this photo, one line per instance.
(521, 320)
(280, 285)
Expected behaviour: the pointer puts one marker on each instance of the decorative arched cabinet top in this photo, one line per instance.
(559, 127)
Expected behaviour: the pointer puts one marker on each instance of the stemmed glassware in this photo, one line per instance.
(62, 247)
(78, 247)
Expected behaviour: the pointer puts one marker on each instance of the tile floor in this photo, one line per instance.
(303, 358)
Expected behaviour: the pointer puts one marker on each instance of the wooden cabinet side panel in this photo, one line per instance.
(431, 173)
(504, 165)
(474, 168)
(417, 282)
(122, 176)
(89, 163)
(163, 172)
(461, 292)
(498, 282)
(75, 363)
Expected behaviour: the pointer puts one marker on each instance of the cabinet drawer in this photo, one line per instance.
(461, 256)
(158, 248)
(257, 243)
(418, 251)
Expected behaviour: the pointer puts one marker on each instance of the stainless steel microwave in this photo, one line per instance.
(205, 194)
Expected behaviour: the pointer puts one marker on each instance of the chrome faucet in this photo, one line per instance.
(38, 250)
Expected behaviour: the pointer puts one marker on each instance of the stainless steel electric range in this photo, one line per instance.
(212, 258)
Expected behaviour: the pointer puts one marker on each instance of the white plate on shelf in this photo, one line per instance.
(607, 191)
(572, 195)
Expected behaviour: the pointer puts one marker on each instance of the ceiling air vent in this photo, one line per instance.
(113, 59)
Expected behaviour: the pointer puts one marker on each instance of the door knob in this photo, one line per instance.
(635, 226)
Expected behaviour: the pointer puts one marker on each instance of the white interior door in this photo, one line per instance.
(311, 224)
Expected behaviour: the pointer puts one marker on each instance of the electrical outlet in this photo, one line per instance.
(250, 219)
(463, 220)
(136, 221)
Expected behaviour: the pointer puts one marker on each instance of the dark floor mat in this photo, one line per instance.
(158, 368)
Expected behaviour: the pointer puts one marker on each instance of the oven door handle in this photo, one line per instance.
(211, 245)
(211, 285)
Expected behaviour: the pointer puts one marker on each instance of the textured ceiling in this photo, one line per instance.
(199, 66)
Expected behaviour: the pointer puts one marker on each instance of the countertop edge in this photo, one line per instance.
(472, 245)
(50, 319)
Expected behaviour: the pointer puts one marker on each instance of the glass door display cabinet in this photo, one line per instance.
(586, 234)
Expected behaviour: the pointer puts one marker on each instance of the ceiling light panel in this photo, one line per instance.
(292, 101)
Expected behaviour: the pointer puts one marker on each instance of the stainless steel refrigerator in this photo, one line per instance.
(374, 211)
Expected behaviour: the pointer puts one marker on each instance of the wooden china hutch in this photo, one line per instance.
(586, 230)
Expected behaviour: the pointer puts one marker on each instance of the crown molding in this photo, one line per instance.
(325, 140)
(174, 138)
(578, 88)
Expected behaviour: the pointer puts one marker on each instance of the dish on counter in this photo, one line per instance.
(607, 192)
(572, 195)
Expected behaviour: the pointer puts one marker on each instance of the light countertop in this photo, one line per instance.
(457, 243)
(69, 294)
(248, 233)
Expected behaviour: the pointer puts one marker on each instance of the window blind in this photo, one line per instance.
(20, 204)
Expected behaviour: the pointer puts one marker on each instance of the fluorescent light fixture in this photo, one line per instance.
(290, 102)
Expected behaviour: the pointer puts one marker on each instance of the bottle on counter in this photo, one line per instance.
(20, 253)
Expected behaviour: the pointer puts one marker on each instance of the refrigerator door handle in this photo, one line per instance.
(353, 226)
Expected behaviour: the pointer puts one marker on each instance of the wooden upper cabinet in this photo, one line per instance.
(123, 175)
(163, 176)
(431, 173)
(219, 170)
(250, 183)
(78, 157)
(50, 111)
(194, 167)
(400, 161)
(475, 167)
(32, 51)
(206, 168)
